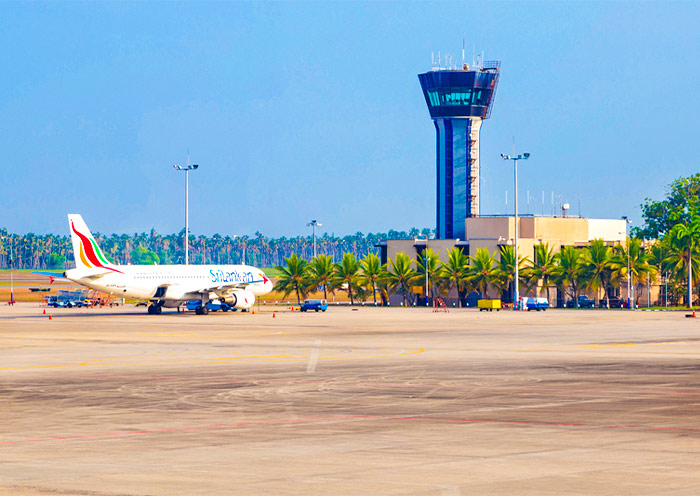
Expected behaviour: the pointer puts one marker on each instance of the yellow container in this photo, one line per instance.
(489, 305)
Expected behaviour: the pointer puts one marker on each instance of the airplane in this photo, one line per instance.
(163, 285)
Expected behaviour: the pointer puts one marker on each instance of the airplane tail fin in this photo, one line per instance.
(85, 250)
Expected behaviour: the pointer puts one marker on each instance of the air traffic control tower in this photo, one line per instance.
(458, 101)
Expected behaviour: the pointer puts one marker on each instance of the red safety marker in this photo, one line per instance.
(44, 311)
(50, 317)
(273, 315)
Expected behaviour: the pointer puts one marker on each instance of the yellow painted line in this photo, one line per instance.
(218, 360)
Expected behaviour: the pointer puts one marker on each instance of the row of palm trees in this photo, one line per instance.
(596, 268)
(50, 251)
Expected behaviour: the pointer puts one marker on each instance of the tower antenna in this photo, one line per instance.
(463, 42)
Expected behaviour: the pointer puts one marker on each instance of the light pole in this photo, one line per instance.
(515, 159)
(12, 270)
(426, 261)
(630, 282)
(187, 170)
(313, 225)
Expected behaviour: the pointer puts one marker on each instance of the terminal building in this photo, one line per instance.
(458, 100)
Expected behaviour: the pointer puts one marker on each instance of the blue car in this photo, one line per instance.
(314, 305)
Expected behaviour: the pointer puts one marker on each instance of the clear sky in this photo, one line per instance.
(311, 110)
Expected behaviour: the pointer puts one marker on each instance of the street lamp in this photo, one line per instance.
(187, 170)
(313, 225)
(515, 159)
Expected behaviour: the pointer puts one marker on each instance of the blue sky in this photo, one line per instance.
(313, 110)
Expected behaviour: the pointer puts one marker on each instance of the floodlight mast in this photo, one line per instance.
(313, 225)
(524, 156)
(187, 170)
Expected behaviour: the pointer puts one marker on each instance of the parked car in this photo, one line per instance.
(314, 305)
(614, 303)
(539, 304)
(583, 302)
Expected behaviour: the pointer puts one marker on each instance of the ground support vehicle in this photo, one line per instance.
(489, 305)
(67, 299)
(211, 305)
(538, 304)
(314, 305)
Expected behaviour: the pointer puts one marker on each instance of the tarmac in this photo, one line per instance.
(353, 401)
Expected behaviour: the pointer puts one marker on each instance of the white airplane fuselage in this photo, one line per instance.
(170, 285)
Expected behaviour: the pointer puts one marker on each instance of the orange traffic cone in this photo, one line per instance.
(273, 315)
(253, 312)
(50, 317)
(693, 313)
(44, 311)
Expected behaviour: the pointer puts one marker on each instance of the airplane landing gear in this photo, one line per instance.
(203, 310)
(155, 309)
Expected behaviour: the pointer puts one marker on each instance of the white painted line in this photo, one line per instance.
(313, 358)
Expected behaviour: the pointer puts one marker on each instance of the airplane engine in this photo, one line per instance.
(241, 299)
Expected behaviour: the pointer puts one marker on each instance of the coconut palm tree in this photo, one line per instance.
(482, 270)
(428, 259)
(322, 273)
(596, 267)
(687, 235)
(505, 270)
(400, 276)
(541, 270)
(631, 255)
(347, 275)
(294, 277)
(371, 272)
(569, 271)
(455, 273)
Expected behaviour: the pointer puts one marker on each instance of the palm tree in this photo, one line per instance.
(596, 264)
(630, 255)
(688, 236)
(321, 273)
(401, 275)
(542, 268)
(293, 277)
(505, 269)
(347, 275)
(372, 271)
(482, 270)
(428, 259)
(569, 271)
(455, 273)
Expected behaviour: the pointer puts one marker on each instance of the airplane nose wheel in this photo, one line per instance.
(155, 309)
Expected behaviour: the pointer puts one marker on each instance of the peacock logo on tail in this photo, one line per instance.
(90, 254)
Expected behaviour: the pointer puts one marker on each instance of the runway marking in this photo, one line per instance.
(217, 360)
(313, 359)
(351, 418)
(469, 387)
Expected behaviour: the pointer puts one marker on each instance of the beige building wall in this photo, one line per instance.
(491, 232)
